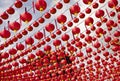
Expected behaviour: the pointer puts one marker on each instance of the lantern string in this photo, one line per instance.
(56, 24)
(44, 33)
(71, 14)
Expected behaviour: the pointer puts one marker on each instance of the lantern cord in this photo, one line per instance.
(107, 12)
(20, 20)
(56, 24)
(33, 6)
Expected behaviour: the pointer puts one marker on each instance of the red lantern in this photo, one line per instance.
(29, 41)
(47, 15)
(5, 55)
(12, 51)
(107, 39)
(76, 30)
(35, 24)
(112, 3)
(59, 5)
(88, 50)
(75, 9)
(24, 0)
(41, 20)
(99, 13)
(31, 56)
(47, 48)
(26, 17)
(95, 5)
(89, 21)
(18, 4)
(56, 42)
(5, 33)
(22, 61)
(65, 37)
(97, 44)
(30, 28)
(4, 16)
(70, 24)
(88, 39)
(50, 27)
(40, 53)
(88, 10)
(66, 1)
(40, 5)
(101, 1)
(53, 10)
(117, 33)
(24, 32)
(81, 15)
(38, 35)
(99, 31)
(87, 1)
(15, 26)
(15, 63)
(10, 10)
(19, 46)
(61, 19)
(110, 23)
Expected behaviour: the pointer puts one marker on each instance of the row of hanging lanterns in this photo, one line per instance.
(57, 64)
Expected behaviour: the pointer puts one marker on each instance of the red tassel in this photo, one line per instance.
(44, 33)
(107, 13)
(56, 24)
(33, 6)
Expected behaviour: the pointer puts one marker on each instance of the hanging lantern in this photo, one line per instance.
(47, 48)
(15, 26)
(65, 37)
(35, 24)
(81, 15)
(61, 19)
(22, 61)
(112, 3)
(5, 55)
(15, 64)
(5, 33)
(30, 28)
(53, 10)
(99, 31)
(47, 15)
(29, 41)
(24, 32)
(117, 33)
(12, 51)
(75, 9)
(99, 13)
(88, 10)
(95, 5)
(101, 1)
(87, 1)
(24, 0)
(89, 21)
(19, 46)
(76, 30)
(56, 42)
(41, 20)
(4, 16)
(40, 5)
(31, 56)
(66, 1)
(88, 39)
(97, 44)
(10, 10)
(110, 23)
(18, 4)
(70, 24)
(40, 53)
(107, 39)
(50, 27)
(26, 16)
(38, 35)
(59, 5)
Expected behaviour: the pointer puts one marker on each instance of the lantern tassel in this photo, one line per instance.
(107, 12)
(56, 24)
(44, 33)
(33, 6)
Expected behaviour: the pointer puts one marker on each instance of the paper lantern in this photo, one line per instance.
(40, 5)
